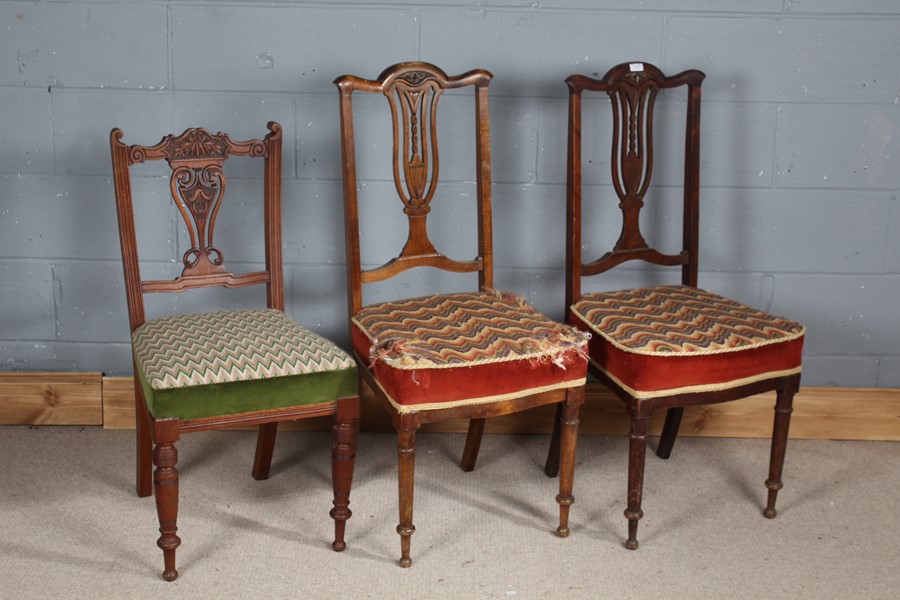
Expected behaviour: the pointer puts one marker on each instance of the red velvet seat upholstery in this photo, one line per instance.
(665, 340)
(468, 348)
(449, 356)
(666, 347)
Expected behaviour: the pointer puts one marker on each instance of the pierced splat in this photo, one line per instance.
(413, 98)
(197, 185)
(200, 190)
(413, 90)
(632, 89)
(633, 100)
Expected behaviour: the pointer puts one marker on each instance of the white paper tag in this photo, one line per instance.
(636, 67)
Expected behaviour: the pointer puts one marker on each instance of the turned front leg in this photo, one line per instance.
(406, 457)
(636, 454)
(343, 458)
(568, 440)
(165, 487)
(783, 409)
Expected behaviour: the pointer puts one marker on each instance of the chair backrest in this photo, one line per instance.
(413, 90)
(197, 186)
(632, 89)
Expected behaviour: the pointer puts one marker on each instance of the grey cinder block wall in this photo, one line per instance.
(800, 145)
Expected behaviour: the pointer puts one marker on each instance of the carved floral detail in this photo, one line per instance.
(415, 77)
(196, 144)
(199, 142)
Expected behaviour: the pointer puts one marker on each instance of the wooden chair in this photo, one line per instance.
(216, 370)
(449, 356)
(667, 346)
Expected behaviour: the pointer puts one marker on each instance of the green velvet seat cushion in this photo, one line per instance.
(212, 364)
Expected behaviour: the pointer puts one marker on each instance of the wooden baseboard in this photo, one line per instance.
(51, 399)
(819, 412)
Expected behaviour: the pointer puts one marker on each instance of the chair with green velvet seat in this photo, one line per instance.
(214, 370)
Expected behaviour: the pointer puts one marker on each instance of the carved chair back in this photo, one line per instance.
(633, 89)
(197, 186)
(413, 91)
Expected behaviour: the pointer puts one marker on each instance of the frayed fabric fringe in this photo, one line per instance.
(553, 346)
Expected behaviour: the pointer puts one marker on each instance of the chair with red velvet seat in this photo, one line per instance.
(667, 346)
(457, 355)
(214, 370)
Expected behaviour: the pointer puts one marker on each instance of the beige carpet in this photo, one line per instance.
(71, 526)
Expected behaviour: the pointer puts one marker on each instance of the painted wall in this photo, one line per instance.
(800, 144)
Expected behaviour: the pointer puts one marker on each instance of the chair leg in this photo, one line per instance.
(551, 467)
(669, 432)
(265, 447)
(783, 407)
(636, 454)
(144, 445)
(568, 442)
(165, 488)
(406, 458)
(343, 457)
(473, 445)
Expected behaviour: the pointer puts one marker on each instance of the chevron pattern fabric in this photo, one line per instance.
(223, 347)
(465, 329)
(681, 321)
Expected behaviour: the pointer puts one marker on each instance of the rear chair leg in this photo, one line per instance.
(144, 443)
(473, 445)
(551, 467)
(265, 446)
(669, 432)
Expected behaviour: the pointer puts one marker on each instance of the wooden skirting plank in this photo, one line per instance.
(819, 413)
(849, 414)
(118, 403)
(51, 399)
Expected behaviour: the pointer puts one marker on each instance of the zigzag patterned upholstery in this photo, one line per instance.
(466, 348)
(219, 370)
(199, 364)
(663, 340)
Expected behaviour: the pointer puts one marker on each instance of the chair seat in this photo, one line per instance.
(468, 348)
(221, 363)
(665, 340)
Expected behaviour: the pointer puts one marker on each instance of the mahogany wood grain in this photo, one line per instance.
(473, 444)
(633, 91)
(165, 488)
(413, 91)
(197, 186)
(345, 433)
